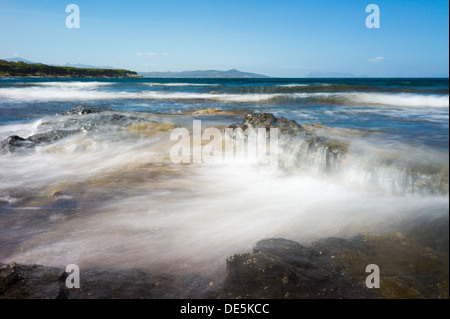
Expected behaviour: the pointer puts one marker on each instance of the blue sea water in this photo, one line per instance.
(415, 110)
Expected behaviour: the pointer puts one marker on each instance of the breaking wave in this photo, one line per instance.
(80, 91)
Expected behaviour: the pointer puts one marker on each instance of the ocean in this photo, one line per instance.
(91, 182)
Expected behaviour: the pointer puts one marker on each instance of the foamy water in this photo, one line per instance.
(108, 195)
(85, 91)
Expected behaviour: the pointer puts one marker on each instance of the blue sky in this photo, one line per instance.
(277, 38)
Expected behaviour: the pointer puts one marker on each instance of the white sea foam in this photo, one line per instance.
(74, 84)
(195, 222)
(179, 84)
(412, 100)
(292, 85)
(192, 217)
(67, 93)
(302, 85)
(22, 129)
(399, 99)
(64, 94)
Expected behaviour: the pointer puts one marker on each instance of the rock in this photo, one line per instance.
(51, 136)
(82, 109)
(212, 111)
(267, 121)
(207, 111)
(275, 268)
(56, 194)
(63, 129)
(15, 140)
(31, 282)
(429, 232)
(407, 268)
(335, 268)
(12, 143)
(279, 268)
(299, 142)
(41, 282)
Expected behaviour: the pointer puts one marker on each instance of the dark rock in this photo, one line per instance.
(67, 128)
(82, 109)
(279, 268)
(335, 268)
(276, 268)
(29, 282)
(429, 232)
(51, 136)
(14, 142)
(292, 134)
(40, 282)
(267, 121)
(407, 268)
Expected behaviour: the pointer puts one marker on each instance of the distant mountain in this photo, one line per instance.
(85, 66)
(214, 74)
(78, 65)
(330, 75)
(17, 59)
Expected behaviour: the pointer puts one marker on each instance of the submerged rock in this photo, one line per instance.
(70, 126)
(11, 143)
(335, 268)
(207, 111)
(301, 147)
(267, 121)
(279, 268)
(33, 282)
(40, 282)
(82, 109)
(14, 143)
(51, 136)
(276, 268)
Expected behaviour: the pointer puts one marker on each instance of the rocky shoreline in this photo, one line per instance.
(413, 258)
(413, 264)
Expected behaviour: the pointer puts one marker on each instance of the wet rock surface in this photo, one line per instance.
(82, 109)
(300, 141)
(93, 119)
(30, 281)
(275, 268)
(267, 121)
(413, 264)
(40, 282)
(279, 268)
(325, 150)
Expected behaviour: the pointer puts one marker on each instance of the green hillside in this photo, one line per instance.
(43, 70)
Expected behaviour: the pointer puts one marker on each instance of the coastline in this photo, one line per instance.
(71, 76)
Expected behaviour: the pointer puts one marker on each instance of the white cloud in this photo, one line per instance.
(377, 59)
(16, 55)
(147, 53)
